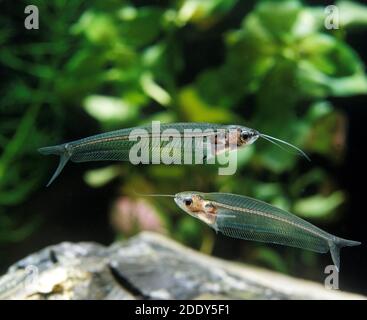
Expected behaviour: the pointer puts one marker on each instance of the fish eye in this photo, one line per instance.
(187, 201)
(245, 135)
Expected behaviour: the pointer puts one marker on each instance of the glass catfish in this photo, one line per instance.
(246, 218)
(205, 139)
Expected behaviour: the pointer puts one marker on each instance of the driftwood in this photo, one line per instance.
(148, 266)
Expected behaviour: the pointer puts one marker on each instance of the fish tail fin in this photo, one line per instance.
(335, 246)
(59, 150)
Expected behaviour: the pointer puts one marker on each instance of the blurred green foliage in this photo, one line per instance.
(126, 64)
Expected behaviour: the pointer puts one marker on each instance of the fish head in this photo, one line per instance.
(190, 202)
(248, 135)
(242, 136)
(194, 204)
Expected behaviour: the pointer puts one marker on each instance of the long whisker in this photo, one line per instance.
(153, 195)
(273, 142)
(271, 139)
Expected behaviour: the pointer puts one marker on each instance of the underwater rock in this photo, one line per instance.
(147, 266)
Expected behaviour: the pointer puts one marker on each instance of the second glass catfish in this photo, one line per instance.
(246, 218)
(173, 141)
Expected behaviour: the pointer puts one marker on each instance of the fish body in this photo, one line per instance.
(246, 218)
(116, 145)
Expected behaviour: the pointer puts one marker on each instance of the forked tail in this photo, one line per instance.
(335, 246)
(59, 150)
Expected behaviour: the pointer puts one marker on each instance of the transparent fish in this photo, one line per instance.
(116, 145)
(246, 218)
